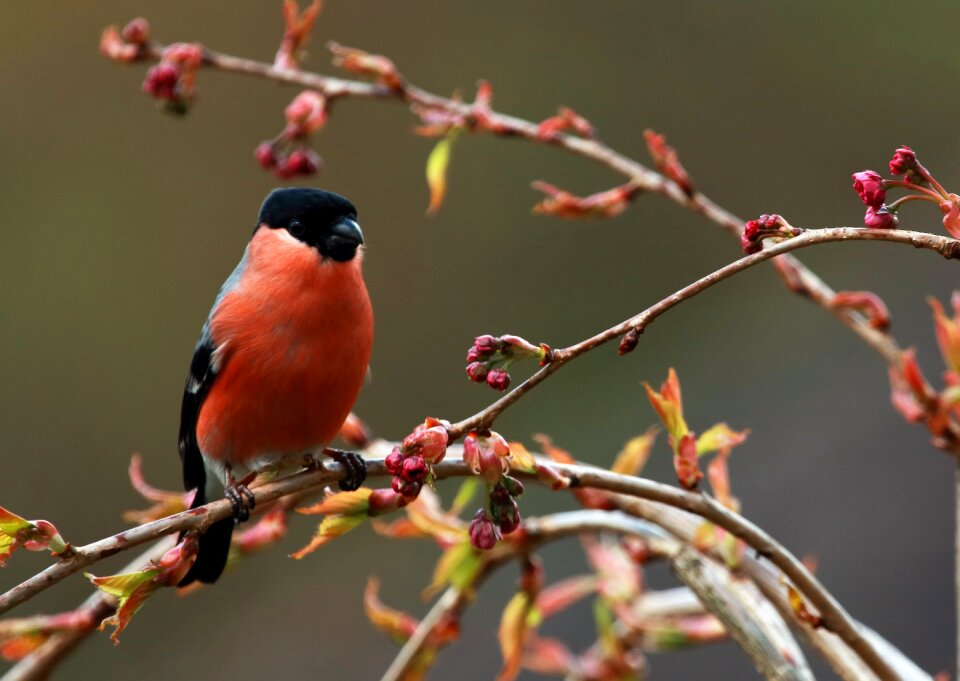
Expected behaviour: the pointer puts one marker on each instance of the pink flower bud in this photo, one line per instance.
(879, 218)
(629, 342)
(384, 501)
(161, 81)
(414, 469)
(750, 246)
(137, 32)
(486, 455)
(307, 113)
(904, 160)
(486, 345)
(951, 215)
(265, 155)
(869, 186)
(394, 462)
(472, 355)
(189, 56)
(513, 486)
(484, 534)
(406, 488)
(751, 230)
(301, 161)
(507, 517)
(429, 440)
(498, 379)
(477, 371)
(499, 496)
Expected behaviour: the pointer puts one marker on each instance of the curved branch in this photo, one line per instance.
(834, 617)
(945, 246)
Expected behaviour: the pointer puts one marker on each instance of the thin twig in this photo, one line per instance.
(949, 248)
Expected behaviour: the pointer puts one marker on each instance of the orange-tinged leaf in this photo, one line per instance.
(521, 459)
(401, 528)
(719, 475)
(341, 503)
(11, 523)
(948, 331)
(633, 457)
(719, 438)
(267, 531)
(561, 595)
(18, 647)
(547, 656)
(131, 590)
(458, 566)
(668, 404)
(619, 576)
(165, 502)
(558, 454)
(8, 545)
(514, 625)
(330, 528)
(429, 517)
(398, 625)
(685, 462)
(437, 164)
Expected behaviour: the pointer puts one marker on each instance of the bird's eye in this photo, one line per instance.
(296, 228)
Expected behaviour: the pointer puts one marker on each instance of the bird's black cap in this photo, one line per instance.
(319, 218)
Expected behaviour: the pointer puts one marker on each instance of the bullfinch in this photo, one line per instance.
(280, 360)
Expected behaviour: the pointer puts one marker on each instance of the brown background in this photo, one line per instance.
(119, 224)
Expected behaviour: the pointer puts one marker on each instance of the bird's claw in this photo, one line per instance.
(355, 468)
(241, 500)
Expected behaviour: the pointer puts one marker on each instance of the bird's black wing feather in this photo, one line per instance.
(214, 544)
(198, 385)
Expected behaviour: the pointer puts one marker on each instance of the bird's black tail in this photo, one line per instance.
(213, 547)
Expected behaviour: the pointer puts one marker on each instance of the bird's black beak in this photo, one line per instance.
(343, 240)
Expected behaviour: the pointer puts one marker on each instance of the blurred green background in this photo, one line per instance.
(119, 224)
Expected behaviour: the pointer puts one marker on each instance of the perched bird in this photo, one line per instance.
(280, 360)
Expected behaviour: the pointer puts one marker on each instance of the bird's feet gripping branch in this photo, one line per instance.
(241, 499)
(354, 468)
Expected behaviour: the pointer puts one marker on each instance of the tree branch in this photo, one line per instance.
(949, 248)
(40, 663)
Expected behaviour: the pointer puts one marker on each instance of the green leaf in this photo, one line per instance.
(437, 164)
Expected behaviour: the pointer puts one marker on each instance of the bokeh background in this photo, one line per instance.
(119, 223)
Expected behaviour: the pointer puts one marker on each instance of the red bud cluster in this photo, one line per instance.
(489, 358)
(872, 190)
(502, 515)
(288, 155)
(173, 80)
(765, 227)
(410, 462)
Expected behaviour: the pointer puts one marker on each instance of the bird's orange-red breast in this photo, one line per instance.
(296, 334)
(281, 357)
